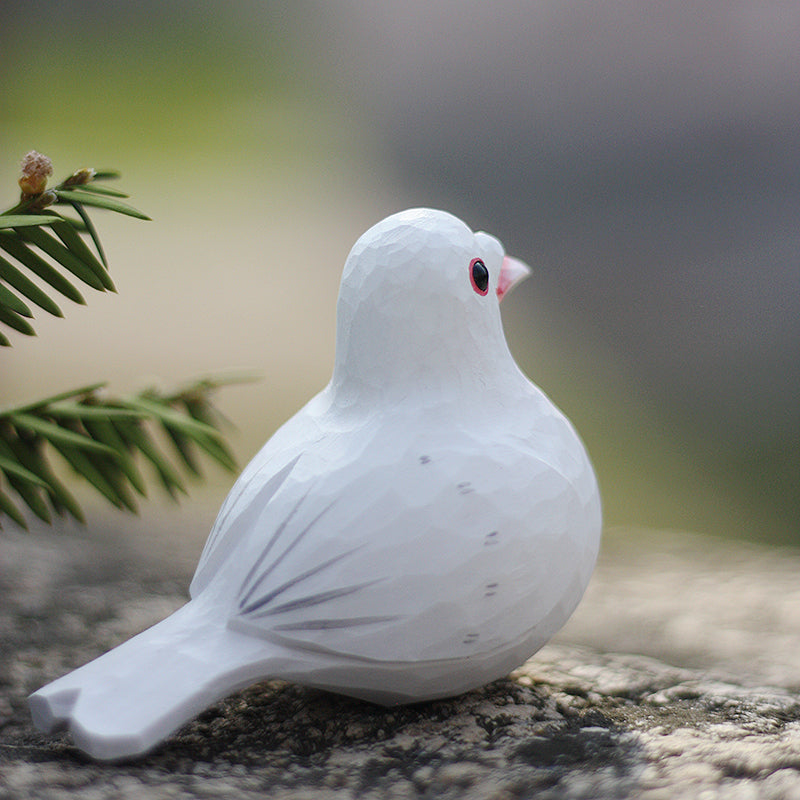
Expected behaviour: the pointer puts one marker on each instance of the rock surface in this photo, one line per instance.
(677, 677)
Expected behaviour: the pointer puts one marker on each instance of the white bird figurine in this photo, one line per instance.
(421, 527)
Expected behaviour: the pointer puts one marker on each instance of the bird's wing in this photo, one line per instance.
(413, 547)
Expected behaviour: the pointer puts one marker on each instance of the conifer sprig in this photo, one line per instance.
(103, 439)
(38, 241)
(106, 440)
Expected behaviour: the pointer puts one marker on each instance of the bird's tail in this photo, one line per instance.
(125, 702)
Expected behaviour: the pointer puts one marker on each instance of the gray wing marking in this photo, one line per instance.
(232, 529)
(265, 552)
(256, 605)
(270, 596)
(326, 624)
(263, 497)
(307, 601)
(273, 539)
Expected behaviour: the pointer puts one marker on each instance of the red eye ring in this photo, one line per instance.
(479, 276)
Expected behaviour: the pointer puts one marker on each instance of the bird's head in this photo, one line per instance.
(419, 306)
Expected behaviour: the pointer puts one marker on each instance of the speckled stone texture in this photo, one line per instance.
(585, 718)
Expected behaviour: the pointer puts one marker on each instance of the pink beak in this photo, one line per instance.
(512, 272)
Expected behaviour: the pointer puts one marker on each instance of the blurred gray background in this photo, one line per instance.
(644, 159)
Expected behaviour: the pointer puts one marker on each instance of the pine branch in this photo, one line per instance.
(104, 440)
(36, 238)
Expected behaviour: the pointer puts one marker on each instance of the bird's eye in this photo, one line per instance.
(479, 276)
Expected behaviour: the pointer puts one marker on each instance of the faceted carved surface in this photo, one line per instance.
(420, 528)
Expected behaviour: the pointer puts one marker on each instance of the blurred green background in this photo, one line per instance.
(644, 160)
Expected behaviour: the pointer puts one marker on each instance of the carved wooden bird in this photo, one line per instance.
(421, 527)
